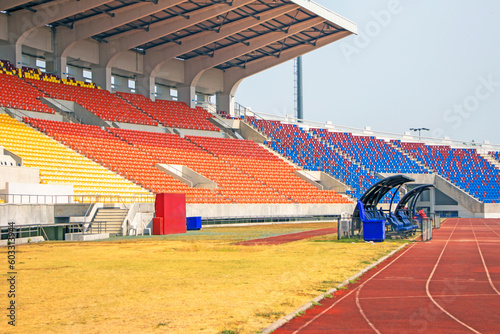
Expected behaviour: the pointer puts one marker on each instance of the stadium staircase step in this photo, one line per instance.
(284, 158)
(67, 114)
(221, 124)
(490, 159)
(136, 107)
(242, 171)
(109, 220)
(409, 156)
(343, 154)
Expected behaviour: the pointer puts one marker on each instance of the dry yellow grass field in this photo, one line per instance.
(194, 283)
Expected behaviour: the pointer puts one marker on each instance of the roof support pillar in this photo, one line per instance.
(13, 53)
(102, 77)
(145, 85)
(432, 200)
(225, 102)
(62, 63)
(58, 66)
(22, 23)
(187, 94)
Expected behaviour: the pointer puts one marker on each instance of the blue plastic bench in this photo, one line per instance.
(373, 227)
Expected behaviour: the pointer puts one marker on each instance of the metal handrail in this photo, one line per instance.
(74, 199)
(67, 110)
(240, 110)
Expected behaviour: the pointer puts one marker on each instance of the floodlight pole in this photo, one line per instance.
(419, 130)
(300, 92)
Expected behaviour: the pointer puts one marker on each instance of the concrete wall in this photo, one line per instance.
(29, 193)
(18, 161)
(491, 210)
(26, 214)
(212, 80)
(464, 199)
(19, 114)
(191, 132)
(141, 127)
(311, 177)
(227, 123)
(259, 210)
(40, 39)
(72, 210)
(172, 71)
(4, 27)
(64, 105)
(9, 159)
(18, 175)
(250, 133)
(187, 176)
(129, 61)
(322, 181)
(86, 50)
(88, 117)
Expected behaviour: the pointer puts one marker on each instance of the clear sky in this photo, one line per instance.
(426, 63)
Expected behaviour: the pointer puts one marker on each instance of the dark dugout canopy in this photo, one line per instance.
(376, 192)
(410, 199)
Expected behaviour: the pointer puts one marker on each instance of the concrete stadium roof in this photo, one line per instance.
(227, 40)
(243, 30)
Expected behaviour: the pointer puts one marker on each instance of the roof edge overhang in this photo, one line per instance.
(328, 15)
(377, 191)
(413, 195)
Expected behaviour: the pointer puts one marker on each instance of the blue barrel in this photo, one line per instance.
(193, 223)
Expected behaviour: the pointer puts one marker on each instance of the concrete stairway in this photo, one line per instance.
(490, 159)
(409, 156)
(109, 220)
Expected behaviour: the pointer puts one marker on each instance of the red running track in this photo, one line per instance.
(285, 238)
(448, 285)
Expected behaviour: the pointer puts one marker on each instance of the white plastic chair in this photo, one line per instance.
(133, 227)
(144, 228)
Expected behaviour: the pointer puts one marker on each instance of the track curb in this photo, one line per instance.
(274, 326)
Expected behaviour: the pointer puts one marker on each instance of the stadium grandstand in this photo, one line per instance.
(106, 103)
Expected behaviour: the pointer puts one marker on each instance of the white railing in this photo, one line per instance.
(68, 199)
(307, 124)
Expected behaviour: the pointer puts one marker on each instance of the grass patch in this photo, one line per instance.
(270, 315)
(299, 314)
(201, 282)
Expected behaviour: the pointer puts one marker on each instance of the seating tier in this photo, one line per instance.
(172, 114)
(232, 184)
(375, 154)
(463, 167)
(107, 106)
(308, 152)
(261, 164)
(18, 94)
(60, 165)
(127, 160)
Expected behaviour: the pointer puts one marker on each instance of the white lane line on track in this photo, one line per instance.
(444, 296)
(430, 278)
(358, 304)
(484, 263)
(338, 301)
(492, 230)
